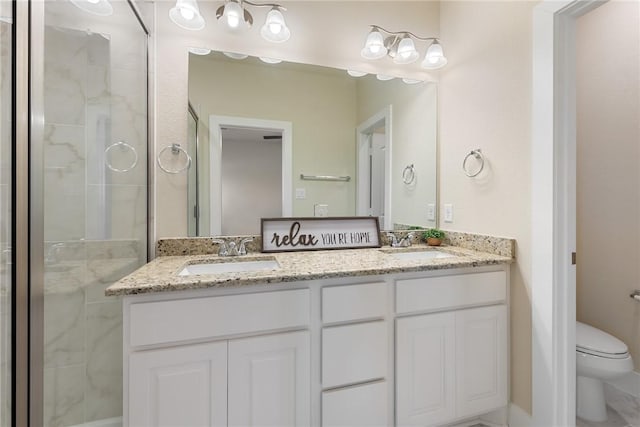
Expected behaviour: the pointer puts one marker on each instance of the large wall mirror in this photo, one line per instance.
(290, 139)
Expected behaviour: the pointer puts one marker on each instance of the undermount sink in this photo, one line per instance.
(229, 267)
(420, 255)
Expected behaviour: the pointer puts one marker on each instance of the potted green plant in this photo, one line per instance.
(433, 236)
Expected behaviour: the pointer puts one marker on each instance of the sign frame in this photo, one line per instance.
(283, 235)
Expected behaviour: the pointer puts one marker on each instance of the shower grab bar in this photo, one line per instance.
(120, 144)
(635, 295)
(324, 178)
(176, 149)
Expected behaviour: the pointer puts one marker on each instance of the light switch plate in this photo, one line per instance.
(301, 193)
(448, 212)
(431, 212)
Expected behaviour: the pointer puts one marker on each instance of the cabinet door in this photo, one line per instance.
(481, 365)
(425, 363)
(270, 380)
(181, 386)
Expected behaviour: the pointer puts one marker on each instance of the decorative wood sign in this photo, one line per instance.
(316, 234)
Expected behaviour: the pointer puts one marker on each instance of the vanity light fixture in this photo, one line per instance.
(233, 14)
(400, 46)
(186, 14)
(95, 7)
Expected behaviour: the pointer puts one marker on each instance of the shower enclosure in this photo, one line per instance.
(88, 201)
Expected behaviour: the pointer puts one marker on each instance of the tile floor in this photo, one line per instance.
(623, 410)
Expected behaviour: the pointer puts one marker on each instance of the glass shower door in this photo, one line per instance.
(94, 195)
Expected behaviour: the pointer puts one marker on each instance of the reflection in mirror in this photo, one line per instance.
(326, 143)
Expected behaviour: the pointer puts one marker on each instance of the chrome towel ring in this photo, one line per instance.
(122, 145)
(176, 149)
(477, 154)
(409, 174)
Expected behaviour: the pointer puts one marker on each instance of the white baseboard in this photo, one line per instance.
(629, 384)
(518, 417)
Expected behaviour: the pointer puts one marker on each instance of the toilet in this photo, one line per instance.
(599, 356)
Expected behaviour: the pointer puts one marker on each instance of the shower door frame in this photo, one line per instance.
(29, 26)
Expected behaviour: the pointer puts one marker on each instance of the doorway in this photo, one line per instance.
(373, 195)
(250, 173)
(554, 210)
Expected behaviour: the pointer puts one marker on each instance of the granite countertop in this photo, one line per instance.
(161, 274)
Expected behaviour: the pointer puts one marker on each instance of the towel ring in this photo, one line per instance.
(176, 149)
(409, 174)
(477, 153)
(120, 144)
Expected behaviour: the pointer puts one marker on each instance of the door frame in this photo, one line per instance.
(553, 210)
(215, 158)
(362, 186)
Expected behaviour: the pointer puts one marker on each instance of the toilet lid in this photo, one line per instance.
(592, 340)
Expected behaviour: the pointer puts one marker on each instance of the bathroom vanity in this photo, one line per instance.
(332, 338)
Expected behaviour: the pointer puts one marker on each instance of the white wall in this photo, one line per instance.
(608, 176)
(485, 102)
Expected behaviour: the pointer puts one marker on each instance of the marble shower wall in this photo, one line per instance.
(95, 217)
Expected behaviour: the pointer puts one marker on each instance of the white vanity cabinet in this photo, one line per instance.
(410, 349)
(451, 364)
(263, 379)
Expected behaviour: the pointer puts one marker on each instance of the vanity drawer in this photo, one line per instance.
(365, 405)
(354, 302)
(200, 318)
(434, 293)
(354, 353)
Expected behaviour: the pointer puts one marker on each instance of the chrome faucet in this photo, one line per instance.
(222, 247)
(232, 248)
(405, 242)
(243, 248)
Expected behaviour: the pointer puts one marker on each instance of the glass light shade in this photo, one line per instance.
(95, 7)
(199, 50)
(411, 81)
(383, 77)
(374, 46)
(275, 29)
(186, 14)
(434, 58)
(406, 53)
(233, 16)
(270, 60)
(354, 73)
(235, 55)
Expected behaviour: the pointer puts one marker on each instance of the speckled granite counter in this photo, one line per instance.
(161, 275)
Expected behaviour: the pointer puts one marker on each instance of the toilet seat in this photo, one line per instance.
(593, 341)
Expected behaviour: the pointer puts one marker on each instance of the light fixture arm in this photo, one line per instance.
(399, 33)
(272, 5)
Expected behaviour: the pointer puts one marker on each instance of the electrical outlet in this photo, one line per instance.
(321, 210)
(431, 212)
(301, 193)
(448, 212)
